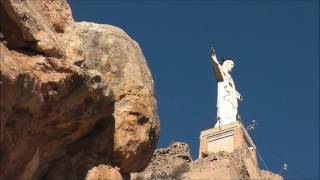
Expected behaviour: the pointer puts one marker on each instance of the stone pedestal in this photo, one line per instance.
(227, 138)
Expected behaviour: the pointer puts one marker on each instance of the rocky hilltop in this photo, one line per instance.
(75, 96)
(175, 162)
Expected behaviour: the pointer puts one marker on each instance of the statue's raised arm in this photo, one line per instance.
(216, 66)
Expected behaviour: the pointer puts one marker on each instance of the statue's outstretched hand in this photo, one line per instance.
(214, 55)
(213, 51)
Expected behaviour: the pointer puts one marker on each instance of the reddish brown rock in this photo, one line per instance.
(44, 110)
(63, 114)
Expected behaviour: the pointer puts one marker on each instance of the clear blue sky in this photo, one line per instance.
(276, 49)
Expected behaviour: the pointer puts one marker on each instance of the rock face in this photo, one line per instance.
(267, 175)
(73, 95)
(103, 172)
(175, 163)
(167, 163)
(36, 24)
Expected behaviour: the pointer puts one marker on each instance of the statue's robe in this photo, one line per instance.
(227, 103)
(227, 98)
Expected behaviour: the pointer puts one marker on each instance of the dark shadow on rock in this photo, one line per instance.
(92, 149)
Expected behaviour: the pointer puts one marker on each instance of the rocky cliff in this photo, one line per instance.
(175, 162)
(74, 96)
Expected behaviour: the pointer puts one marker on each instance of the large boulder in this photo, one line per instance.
(81, 96)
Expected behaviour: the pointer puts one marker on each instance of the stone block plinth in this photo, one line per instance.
(227, 138)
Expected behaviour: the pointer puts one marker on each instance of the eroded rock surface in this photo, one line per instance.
(73, 95)
(36, 24)
(103, 172)
(175, 162)
(167, 163)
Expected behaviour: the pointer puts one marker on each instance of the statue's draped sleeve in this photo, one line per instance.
(217, 69)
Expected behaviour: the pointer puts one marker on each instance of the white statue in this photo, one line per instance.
(227, 99)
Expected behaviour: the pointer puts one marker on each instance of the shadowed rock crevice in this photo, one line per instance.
(85, 153)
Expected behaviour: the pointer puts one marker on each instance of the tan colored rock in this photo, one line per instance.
(61, 116)
(167, 163)
(220, 169)
(57, 13)
(35, 24)
(267, 175)
(103, 172)
(119, 59)
(175, 163)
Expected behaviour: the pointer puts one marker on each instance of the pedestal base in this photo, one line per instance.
(227, 138)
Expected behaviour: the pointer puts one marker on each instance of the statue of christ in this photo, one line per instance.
(227, 98)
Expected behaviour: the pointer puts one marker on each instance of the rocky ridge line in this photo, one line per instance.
(175, 163)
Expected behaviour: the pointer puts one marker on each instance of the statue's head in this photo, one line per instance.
(228, 64)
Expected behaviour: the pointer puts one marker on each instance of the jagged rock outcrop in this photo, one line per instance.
(36, 24)
(166, 163)
(73, 95)
(175, 162)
